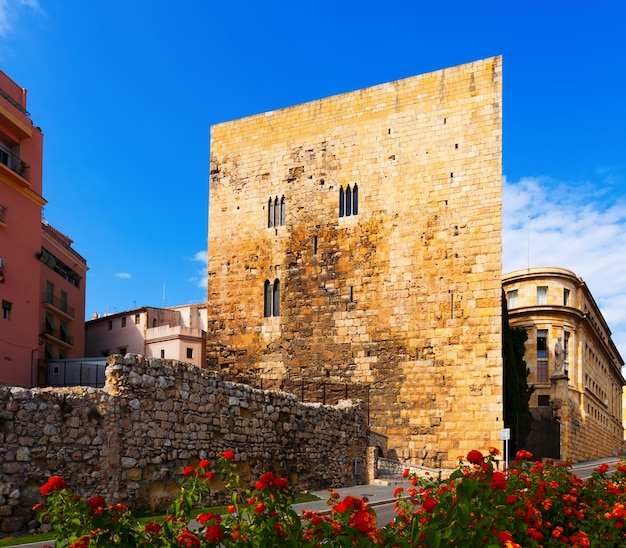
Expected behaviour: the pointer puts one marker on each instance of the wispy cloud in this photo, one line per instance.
(123, 275)
(201, 280)
(10, 12)
(577, 226)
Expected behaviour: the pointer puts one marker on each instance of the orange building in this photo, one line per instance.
(23, 242)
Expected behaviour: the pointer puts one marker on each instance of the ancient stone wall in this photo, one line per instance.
(130, 441)
(357, 238)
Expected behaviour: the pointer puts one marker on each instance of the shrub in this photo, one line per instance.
(530, 504)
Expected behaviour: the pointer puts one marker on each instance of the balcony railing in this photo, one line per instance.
(60, 305)
(58, 335)
(14, 102)
(13, 162)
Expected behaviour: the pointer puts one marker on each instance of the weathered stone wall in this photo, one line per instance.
(130, 441)
(404, 295)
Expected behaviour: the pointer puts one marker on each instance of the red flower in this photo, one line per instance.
(475, 457)
(188, 471)
(213, 534)
(229, 455)
(187, 538)
(397, 491)
(364, 521)
(55, 483)
(96, 504)
(405, 473)
(204, 463)
(522, 454)
(348, 503)
(498, 481)
(231, 509)
(259, 508)
(429, 504)
(153, 527)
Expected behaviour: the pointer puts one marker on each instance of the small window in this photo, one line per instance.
(136, 319)
(566, 297)
(110, 325)
(348, 201)
(542, 371)
(7, 309)
(543, 401)
(542, 295)
(162, 354)
(124, 321)
(566, 336)
(511, 299)
(542, 344)
(271, 298)
(189, 353)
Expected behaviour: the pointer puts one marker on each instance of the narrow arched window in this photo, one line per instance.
(270, 214)
(276, 298)
(282, 211)
(341, 201)
(348, 201)
(267, 299)
(276, 212)
(355, 200)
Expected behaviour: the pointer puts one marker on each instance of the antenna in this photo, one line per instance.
(163, 294)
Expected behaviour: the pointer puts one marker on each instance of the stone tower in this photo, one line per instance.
(357, 238)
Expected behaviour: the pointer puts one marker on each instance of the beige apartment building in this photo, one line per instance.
(357, 239)
(574, 365)
(177, 333)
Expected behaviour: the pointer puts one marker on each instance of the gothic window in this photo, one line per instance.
(276, 212)
(348, 201)
(271, 298)
(341, 201)
(282, 211)
(270, 214)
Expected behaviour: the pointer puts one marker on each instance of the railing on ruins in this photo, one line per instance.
(311, 390)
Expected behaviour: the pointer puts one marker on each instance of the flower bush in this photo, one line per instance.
(530, 504)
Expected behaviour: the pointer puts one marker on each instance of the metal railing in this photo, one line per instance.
(13, 162)
(58, 304)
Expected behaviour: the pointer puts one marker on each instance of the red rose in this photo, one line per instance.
(188, 471)
(429, 504)
(204, 463)
(229, 455)
(405, 473)
(96, 504)
(55, 483)
(475, 457)
(498, 481)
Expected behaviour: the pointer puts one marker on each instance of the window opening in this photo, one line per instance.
(511, 299)
(271, 298)
(542, 343)
(270, 214)
(542, 295)
(341, 201)
(189, 353)
(7, 308)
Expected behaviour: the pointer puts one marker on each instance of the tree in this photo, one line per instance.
(517, 393)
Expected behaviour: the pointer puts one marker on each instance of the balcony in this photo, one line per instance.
(58, 336)
(13, 162)
(59, 306)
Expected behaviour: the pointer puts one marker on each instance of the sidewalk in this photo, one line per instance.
(375, 494)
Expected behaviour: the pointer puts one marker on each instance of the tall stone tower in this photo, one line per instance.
(358, 238)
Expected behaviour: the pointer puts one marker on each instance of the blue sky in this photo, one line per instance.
(126, 91)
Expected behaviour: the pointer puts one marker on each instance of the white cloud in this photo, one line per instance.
(581, 227)
(9, 13)
(202, 278)
(123, 275)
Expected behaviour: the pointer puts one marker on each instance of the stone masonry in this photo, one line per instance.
(130, 441)
(357, 238)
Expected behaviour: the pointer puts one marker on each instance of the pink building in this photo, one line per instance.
(22, 243)
(176, 333)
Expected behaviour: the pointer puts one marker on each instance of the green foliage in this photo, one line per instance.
(531, 504)
(516, 390)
